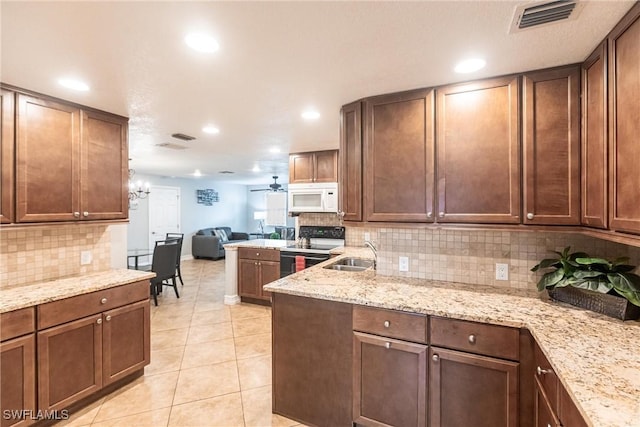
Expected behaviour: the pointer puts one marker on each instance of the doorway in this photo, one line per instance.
(164, 213)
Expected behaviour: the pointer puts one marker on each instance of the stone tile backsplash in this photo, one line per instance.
(470, 256)
(31, 255)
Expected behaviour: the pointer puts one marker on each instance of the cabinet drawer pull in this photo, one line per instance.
(386, 323)
(103, 301)
(107, 318)
(530, 215)
(99, 321)
(472, 339)
(541, 371)
(429, 214)
(435, 358)
(255, 263)
(76, 214)
(387, 345)
(257, 253)
(441, 214)
(85, 213)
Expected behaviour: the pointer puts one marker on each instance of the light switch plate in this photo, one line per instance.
(502, 271)
(403, 263)
(85, 257)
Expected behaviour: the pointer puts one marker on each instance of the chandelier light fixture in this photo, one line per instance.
(137, 190)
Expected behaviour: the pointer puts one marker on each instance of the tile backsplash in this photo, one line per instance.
(41, 253)
(470, 256)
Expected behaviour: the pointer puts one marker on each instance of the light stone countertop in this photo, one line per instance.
(597, 358)
(259, 243)
(14, 298)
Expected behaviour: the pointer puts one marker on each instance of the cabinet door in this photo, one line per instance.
(389, 382)
(479, 152)
(69, 362)
(351, 161)
(18, 379)
(126, 340)
(7, 144)
(624, 123)
(551, 121)
(470, 390)
(325, 167)
(545, 417)
(594, 139)
(269, 272)
(301, 168)
(398, 157)
(568, 412)
(104, 167)
(47, 161)
(248, 278)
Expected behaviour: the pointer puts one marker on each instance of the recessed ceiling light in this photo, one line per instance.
(74, 84)
(210, 129)
(310, 115)
(197, 173)
(201, 42)
(274, 150)
(256, 168)
(470, 65)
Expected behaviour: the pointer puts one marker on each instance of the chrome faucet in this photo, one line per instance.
(370, 245)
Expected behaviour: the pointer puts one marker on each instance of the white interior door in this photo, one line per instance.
(164, 213)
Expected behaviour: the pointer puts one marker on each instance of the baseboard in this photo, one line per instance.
(186, 257)
(231, 299)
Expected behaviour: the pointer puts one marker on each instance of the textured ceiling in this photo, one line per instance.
(275, 60)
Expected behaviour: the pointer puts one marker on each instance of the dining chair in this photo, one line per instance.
(179, 237)
(164, 265)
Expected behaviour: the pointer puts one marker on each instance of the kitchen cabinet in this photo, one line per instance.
(256, 268)
(478, 152)
(7, 156)
(316, 166)
(89, 341)
(312, 360)
(594, 139)
(551, 146)
(350, 156)
(398, 159)
(389, 374)
(624, 123)
(471, 379)
(71, 163)
(17, 359)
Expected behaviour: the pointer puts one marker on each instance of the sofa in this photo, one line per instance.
(209, 243)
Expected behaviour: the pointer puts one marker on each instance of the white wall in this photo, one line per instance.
(256, 201)
(230, 211)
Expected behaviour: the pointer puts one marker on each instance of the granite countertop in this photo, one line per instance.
(13, 298)
(597, 358)
(259, 243)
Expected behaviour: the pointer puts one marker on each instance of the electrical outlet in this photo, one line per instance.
(403, 263)
(502, 271)
(367, 236)
(85, 257)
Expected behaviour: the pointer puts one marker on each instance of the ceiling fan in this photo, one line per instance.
(272, 187)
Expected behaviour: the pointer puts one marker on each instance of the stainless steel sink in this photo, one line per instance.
(351, 264)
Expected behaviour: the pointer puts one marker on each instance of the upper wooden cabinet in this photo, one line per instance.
(351, 161)
(316, 166)
(624, 123)
(594, 139)
(551, 126)
(7, 144)
(398, 157)
(478, 146)
(71, 164)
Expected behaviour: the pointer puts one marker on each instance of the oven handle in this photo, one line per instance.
(305, 257)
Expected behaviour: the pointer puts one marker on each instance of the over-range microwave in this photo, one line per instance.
(318, 197)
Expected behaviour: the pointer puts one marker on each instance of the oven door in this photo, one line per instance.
(288, 261)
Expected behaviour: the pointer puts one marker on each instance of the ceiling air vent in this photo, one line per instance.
(171, 146)
(226, 172)
(537, 14)
(183, 137)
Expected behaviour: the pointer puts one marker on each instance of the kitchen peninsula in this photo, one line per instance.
(596, 359)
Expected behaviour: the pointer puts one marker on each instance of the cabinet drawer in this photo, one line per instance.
(260, 254)
(480, 338)
(68, 309)
(546, 377)
(389, 323)
(17, 322)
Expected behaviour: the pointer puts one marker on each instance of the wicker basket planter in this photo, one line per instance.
(609, 305)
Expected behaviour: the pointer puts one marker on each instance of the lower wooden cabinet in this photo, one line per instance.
(544, 415)
(389, 381)
(470, 390)
(256, 268)
(18, 380)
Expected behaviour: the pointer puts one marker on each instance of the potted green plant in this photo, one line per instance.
(592, 283)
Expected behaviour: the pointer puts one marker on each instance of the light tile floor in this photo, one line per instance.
(210, 363)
